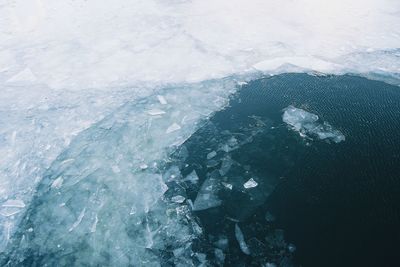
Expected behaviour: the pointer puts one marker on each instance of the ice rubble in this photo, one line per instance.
(99, 183)
(309, 124)
(66, 65)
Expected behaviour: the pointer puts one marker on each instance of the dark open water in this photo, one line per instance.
(317, 203)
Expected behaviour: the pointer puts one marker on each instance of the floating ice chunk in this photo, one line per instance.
(57, 183)
(211, 154)
(308, 124)
(174, 127)
(162, 100)
(250, 183)
(229, 186)
(155, 112)
(192, 177)
(219, 255)
(172, 173)
(240, 239)
(24, 76)
(225, 166)
(291, 248)
(207, 197)
(143, 166)
(178, 199)
(14, 203)
(222, 242)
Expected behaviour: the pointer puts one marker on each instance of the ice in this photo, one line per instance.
(309, 124)
(207, 197)
(192, 177)
(227, 163)
(162, 100)
(78, 220)
(173, 128)
(143, 166)
(211, 155)
(24, 76)
(16, 203)
(240, 239)
(65, 66)
(178, 199)
(105, 200)
(57, 183)
(155, 112)
(229, 186)
(251, 183)
(9, 212)
(222, 242)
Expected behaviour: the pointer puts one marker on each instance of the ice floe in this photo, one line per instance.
(310, 125)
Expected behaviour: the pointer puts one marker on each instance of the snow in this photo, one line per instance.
(69, 69)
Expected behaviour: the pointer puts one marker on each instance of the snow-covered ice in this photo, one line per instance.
(78, 76)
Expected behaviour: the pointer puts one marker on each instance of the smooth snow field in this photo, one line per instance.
(99, 98)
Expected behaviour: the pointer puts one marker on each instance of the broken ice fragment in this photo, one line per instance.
(115, 169)
(162, 100)
(78, 221)
(219, 255)
(222, 242)
(174, 127)
(291, 248)
(57, 183)
(207, 197)
(178, 199)
(192, 177)
(240, 239)
(155, 112)
(211, 154)
(307, 124)
(229, 186)
(226, 165)
(143, 166)
(14, 203)
(250, 183)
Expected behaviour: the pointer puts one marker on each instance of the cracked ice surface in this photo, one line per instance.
(97, 205)
(65, 65)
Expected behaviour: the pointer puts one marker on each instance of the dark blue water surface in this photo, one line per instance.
(317, 202)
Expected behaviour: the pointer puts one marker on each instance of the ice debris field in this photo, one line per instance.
(95, 93)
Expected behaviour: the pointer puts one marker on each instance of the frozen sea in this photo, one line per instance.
(123, 139)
